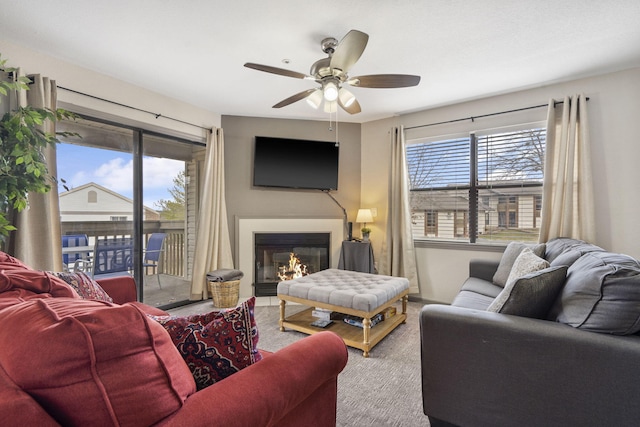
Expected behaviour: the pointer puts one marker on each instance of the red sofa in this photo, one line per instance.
(49, 376)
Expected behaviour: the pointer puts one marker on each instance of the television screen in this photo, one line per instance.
(295, 163)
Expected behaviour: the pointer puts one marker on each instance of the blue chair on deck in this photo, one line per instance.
(152, 253)
(113, 257)
(69, 256)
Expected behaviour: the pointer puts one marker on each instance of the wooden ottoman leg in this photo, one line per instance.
(281, 321)
(404, 306)
(366, 330)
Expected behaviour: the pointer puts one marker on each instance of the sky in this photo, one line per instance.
(79, 165)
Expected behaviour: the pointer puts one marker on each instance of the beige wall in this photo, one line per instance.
(244, 200)
(614, 108)
(100, 85)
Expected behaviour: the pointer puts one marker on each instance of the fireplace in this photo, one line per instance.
(284, 256)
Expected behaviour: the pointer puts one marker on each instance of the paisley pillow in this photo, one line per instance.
(217, 344)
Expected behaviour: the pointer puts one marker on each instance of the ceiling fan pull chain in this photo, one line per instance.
(337, 126)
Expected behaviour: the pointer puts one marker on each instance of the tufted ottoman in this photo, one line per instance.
(346, 292)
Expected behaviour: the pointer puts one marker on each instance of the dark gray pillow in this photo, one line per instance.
(531, 295)
(509, 257)
(602, 294)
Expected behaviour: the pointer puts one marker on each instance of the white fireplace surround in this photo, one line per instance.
(246, 228)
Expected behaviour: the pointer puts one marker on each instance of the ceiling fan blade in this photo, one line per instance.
(275, 70)
(295, 98)
(349, 50)
(353, 108)
(385, 81)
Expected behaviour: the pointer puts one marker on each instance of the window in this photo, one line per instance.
(483, 187)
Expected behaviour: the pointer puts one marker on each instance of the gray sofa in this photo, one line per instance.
(574, 361)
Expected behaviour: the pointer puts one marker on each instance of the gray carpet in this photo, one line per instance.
(382, 390)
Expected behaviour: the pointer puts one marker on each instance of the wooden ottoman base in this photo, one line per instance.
(364, 338)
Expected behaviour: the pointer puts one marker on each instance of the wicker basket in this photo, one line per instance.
(225, 294)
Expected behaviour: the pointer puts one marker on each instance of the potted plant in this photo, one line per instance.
(365, 233)
(23, 167)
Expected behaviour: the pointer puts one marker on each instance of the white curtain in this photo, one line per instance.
(399, 257)
(213, 246)
(567, 200)
(37, 241)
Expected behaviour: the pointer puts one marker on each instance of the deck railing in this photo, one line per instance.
(173, 258)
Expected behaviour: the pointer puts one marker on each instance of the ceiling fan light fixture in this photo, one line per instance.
(315, 99)
(330, 90)
(346, 97)
(330, 106)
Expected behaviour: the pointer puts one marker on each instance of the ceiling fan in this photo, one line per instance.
(332, 72)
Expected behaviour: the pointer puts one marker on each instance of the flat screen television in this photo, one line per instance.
(295, 163)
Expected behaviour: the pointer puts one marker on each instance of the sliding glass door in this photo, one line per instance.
(132, 194)
(168, 171)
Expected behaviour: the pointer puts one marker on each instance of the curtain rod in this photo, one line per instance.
(157, 115)
(472, 118)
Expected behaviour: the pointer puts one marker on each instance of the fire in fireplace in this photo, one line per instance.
(293, 269)
(285, 256)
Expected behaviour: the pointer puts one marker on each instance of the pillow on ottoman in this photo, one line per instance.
(217, 344)
(93, 363)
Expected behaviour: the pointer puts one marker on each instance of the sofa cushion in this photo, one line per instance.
(509, 256)
(18, 408)
(531, 295)
(480, 286)
(565, 251)
(18, 283)
(217, 344)
(473, 300)
(84, 285)
(7, 262)
(35, 282)
(601, 294)
(93, 363)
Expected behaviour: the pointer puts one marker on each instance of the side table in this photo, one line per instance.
(357, 256)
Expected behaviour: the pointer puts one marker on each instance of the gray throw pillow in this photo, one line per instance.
(531, 295)
(509, 257)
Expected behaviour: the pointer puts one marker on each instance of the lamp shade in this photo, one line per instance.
(346, 97)
(364, 215)
(315, 99)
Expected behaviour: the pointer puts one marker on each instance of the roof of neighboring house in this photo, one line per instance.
(93, 185)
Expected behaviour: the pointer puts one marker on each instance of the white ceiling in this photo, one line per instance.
(194, 50)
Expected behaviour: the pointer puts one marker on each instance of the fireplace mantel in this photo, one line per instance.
(246, 227)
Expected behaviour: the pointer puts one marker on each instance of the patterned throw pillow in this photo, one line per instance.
(84, 285)
(527, 262)
(217, 344)
(509, 257)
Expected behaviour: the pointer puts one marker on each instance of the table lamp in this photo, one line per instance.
(364, 216)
